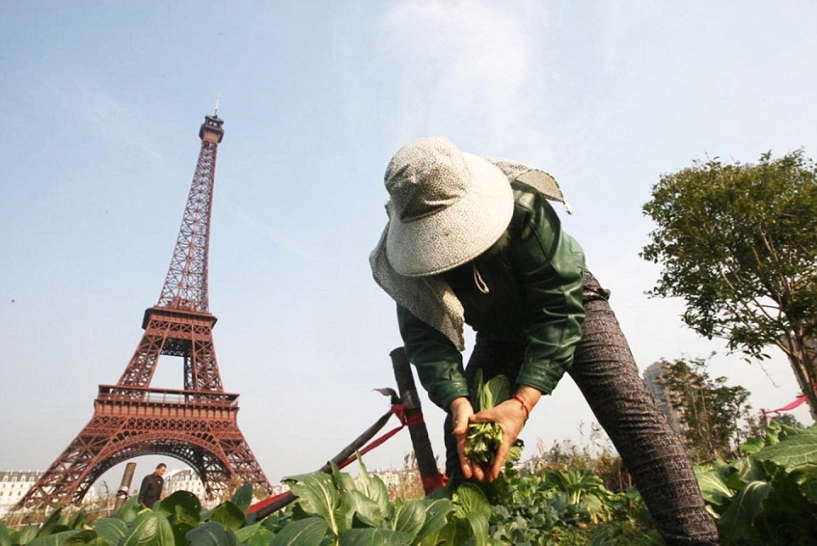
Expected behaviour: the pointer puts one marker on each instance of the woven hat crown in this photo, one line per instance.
(446, 206)
(425, 177)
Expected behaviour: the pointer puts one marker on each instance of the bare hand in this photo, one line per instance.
(461, 414)
(510, 417)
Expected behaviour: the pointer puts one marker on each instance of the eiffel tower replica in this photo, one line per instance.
(196, 425)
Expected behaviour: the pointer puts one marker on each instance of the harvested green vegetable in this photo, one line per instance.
(484, 439)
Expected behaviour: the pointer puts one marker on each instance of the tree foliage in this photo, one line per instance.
(738, 242)
(713, 415)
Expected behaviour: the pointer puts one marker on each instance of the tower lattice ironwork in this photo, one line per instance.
(197, 424)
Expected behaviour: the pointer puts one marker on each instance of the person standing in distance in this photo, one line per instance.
(152, 484)
(474, 240)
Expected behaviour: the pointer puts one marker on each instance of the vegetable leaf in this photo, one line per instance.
(305, 532)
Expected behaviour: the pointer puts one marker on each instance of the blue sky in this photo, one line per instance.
(102, 105)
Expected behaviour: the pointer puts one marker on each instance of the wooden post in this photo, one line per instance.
(124, 487)
(414, 414)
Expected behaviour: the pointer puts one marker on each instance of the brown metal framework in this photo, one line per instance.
(198, 424)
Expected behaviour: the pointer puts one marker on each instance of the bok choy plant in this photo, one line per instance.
(484, 439)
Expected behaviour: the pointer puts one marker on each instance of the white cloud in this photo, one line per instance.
(461, 66)
(467, 45)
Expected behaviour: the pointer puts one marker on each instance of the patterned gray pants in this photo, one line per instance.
(605, 371)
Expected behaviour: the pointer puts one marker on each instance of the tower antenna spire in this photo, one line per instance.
(218, 100)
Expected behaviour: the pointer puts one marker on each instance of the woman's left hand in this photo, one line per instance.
(510, 416)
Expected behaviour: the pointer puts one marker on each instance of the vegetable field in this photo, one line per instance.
(769, 496)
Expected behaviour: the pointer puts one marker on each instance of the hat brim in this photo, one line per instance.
(460, 232)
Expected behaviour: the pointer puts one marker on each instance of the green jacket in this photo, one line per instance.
(534, 297)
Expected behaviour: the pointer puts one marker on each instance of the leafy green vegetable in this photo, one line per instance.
(769, 497)
(113, 530)
(229, 515)
(243, 497)
(305, 532)
(181, 507)
(317, 496)
(211, 534)
(484, 439)
(150, 528)
(5, 535)
(339, 510)
(254, 535)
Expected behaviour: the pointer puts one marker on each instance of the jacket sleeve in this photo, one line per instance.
(143, 489)
(438, 362)
(550, 268)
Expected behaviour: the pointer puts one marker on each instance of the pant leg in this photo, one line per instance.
(605, 371)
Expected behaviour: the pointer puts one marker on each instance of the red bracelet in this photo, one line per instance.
(524, 406)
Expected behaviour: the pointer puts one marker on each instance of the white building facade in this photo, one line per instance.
(14, 484)
(183, 479)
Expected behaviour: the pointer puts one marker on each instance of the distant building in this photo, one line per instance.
(390, 478)
(654, 377)
(15, 484)
(183, 479)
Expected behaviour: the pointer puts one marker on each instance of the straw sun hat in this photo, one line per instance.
(446, 207)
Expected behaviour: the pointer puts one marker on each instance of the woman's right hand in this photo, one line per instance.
(461, 414)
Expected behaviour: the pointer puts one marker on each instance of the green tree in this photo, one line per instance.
(713, 415)
(738, 242)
